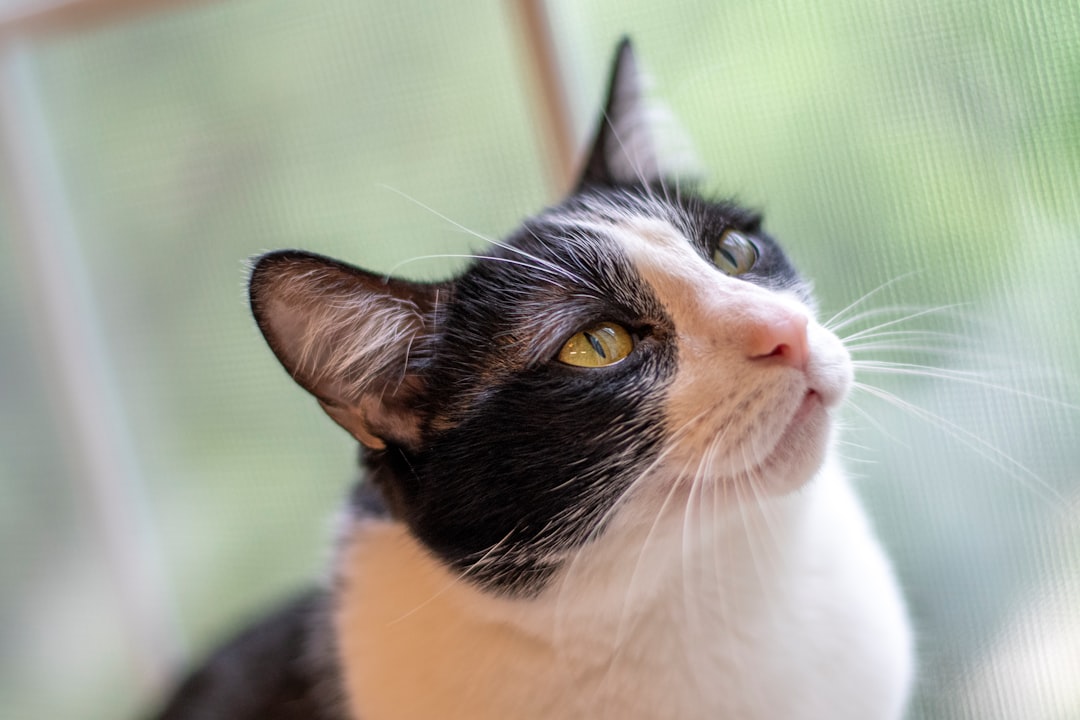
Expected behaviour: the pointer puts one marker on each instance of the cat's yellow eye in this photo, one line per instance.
(735, 254)
(601, 345)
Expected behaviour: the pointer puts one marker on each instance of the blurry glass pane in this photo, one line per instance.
(192, 141)
(933, 147)
(59, 624)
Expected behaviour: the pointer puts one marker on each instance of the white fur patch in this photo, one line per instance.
(785, 609)
(713, 592)
(730, 411)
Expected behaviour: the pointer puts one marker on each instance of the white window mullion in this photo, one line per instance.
(95, 434)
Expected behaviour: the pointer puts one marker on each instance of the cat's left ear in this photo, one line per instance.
(347, 337)
(638, 140)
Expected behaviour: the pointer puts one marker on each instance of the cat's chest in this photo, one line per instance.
(771, 626)
(424, 645)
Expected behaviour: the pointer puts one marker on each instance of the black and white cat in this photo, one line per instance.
(600, 482)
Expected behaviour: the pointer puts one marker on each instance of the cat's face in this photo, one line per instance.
(612, 355)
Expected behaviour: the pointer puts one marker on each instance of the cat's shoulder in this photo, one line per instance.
(280, 668)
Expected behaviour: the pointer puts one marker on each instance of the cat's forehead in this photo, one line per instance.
(667, 243)
(670, 258)
(659, 241)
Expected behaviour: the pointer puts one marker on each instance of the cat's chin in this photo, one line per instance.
(797, 455)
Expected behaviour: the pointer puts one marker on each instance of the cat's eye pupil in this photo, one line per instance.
(727, 256)
(596, 345)
(735, 254)
(600, 345)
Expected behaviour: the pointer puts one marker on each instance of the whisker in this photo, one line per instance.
(960, 376)
(692, 609)
(718, 503)
(434, 212)
(888, 283)
(857, 446)
(741, 504)
(540, 262)
(628, 595)
(986, 450)
(906, 318)
(455, 580)
(949, 373)
(638, 170)
(871, 313)
(689, 424)
(754, 475)
(440, 256)
(922, 334)
(873, 347)
(602, 521)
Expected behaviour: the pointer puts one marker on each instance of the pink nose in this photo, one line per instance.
(780, 337)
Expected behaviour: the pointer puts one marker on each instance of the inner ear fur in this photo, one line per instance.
(346, 336)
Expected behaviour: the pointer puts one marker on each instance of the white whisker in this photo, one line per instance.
(435, 212)
(960, 376)
(972, 441)
(455, 580)
(906, 318)
(829, 324)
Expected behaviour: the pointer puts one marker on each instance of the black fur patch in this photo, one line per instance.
(283, 668)
(522, 455)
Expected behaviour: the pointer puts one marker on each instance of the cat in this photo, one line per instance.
(600, 478)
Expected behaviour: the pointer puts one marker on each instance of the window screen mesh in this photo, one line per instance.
(932, 150)
(923, 155)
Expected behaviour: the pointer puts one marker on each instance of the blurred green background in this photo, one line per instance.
(931, 145)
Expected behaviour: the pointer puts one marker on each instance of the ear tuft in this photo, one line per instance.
(345, 335)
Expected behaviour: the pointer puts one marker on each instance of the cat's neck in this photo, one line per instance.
(679, 604)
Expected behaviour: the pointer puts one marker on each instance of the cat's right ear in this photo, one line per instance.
(345, 335)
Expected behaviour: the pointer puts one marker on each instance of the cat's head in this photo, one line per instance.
(614, 352)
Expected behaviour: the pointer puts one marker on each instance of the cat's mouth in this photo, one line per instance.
(802, 429)
(810, 401)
